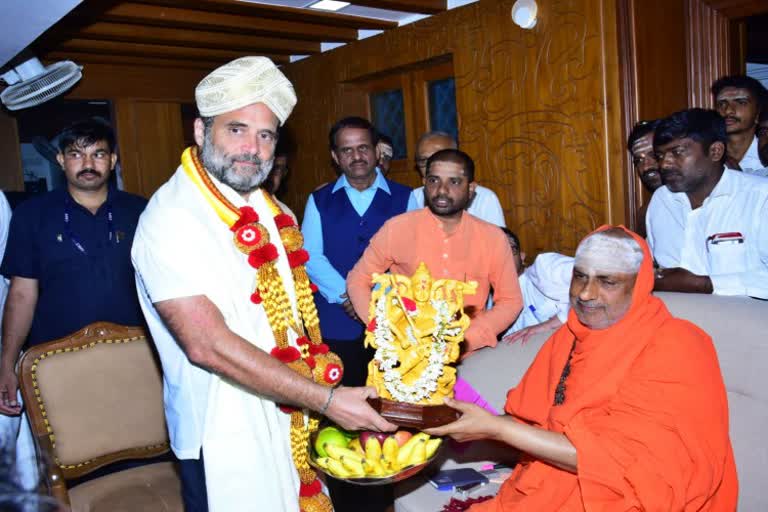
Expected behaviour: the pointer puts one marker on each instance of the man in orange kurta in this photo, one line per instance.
(624, 407)
(453, 244)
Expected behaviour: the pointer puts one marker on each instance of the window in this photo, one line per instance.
(388, 116)
(406, 103)
(442, 106)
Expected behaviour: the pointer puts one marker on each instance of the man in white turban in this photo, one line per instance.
(220, 273)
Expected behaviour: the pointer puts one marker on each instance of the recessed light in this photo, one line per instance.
(328, 5)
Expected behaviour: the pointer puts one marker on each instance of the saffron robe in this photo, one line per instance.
(645, 407)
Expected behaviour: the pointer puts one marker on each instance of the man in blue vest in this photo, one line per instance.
(339, 220)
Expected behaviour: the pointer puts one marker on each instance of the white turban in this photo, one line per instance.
(242, 82)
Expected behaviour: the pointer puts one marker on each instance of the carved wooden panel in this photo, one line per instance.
(539, 110)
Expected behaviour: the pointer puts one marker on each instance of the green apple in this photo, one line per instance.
(330, 435)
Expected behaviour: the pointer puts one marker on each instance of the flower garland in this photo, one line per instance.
(388, 356)
(311, 358)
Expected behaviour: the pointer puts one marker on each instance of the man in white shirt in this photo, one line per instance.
(640, 145)
(706, 226)
(15, 434)
(219, 269)
(762, 138)
(484, 204)
(544, 286)
(740, 99)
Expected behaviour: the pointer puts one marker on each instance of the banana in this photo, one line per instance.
(389, 449)
(418, 454)
(374, 467)
(404, 455)
(372, 448)
(409, 444)
(322, 462)
(337, 452)
(355, 446)
(355, 467)
(432, 446)
(391, 467)
(337, 469)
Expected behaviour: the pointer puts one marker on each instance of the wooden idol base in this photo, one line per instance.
(414, 416)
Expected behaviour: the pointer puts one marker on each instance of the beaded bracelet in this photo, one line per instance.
(327, 402)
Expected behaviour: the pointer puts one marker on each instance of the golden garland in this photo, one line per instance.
(315, 361)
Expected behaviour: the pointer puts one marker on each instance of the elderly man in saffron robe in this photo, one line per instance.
(624, 407)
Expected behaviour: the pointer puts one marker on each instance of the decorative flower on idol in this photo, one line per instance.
(410, 306)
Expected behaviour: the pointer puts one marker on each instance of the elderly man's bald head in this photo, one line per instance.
(604, 274)
(429, 144)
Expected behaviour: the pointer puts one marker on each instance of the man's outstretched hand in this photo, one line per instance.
(350, 410)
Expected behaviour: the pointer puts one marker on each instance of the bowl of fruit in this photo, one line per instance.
(371, 458)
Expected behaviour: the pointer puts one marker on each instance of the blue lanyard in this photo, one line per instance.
(71, 235)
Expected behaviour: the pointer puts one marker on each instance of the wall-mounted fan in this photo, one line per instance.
(31, 83)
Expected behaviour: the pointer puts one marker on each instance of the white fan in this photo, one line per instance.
(31, 83)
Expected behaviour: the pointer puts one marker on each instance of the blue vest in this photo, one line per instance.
(345, 237)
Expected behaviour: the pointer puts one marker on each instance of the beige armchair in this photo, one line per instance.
(94, 398)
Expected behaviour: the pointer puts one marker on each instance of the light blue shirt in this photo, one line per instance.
(330, 283)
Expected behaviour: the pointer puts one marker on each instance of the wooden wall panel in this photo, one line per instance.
(660, 42)
(539, 110)
(708, 51)
(654, 73)
(11, 172)
(158, 82)
(151, 140)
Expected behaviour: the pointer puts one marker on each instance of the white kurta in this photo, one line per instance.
(544, 286)
(182, 249)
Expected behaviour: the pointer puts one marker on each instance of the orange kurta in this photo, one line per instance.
(476, 250)
(645, 407)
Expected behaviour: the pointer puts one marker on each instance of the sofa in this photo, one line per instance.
(739, 329)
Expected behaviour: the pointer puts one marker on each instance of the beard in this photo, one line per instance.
(450, 207)
(222, 166)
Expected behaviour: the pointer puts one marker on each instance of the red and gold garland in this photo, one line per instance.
(311, 358)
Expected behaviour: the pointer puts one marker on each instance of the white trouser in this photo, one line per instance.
(15, 434)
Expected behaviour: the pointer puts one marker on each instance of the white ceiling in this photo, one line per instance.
(401, 17)
(24, 20)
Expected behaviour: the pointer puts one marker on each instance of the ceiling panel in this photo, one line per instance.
(204, 32)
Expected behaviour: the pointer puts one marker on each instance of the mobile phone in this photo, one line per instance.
(449, 479)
